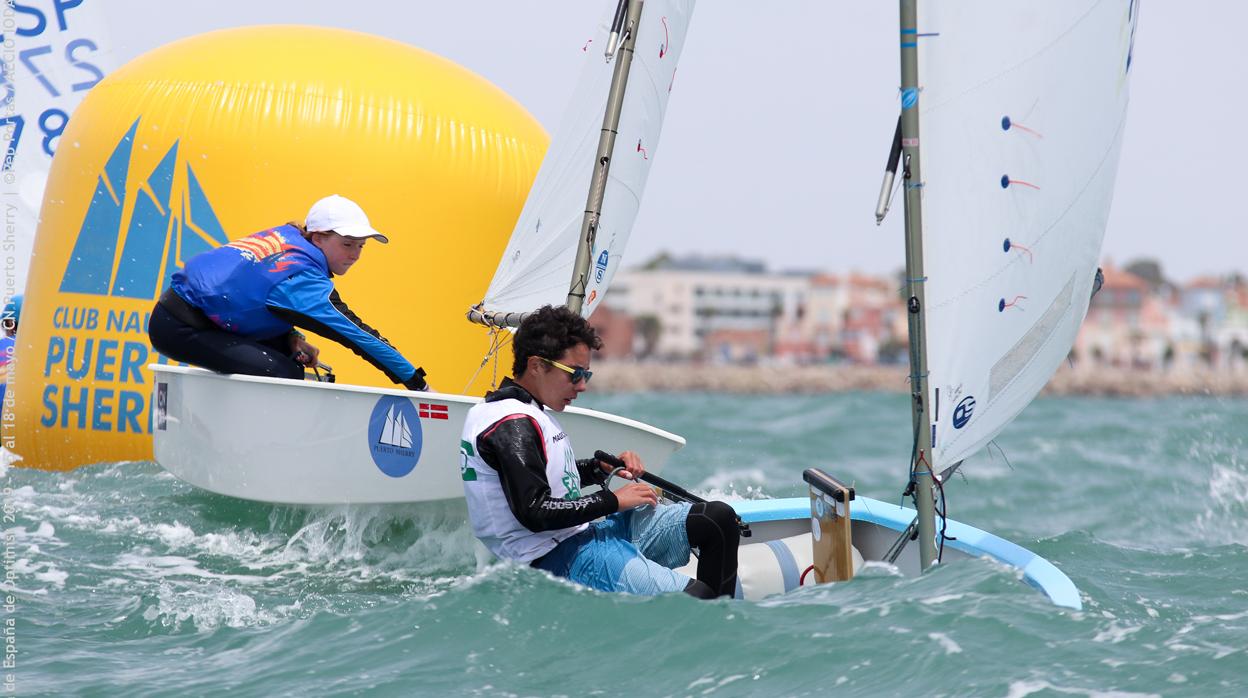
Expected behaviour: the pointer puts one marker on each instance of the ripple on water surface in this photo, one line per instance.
(134, 583)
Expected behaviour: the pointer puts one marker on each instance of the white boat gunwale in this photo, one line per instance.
(158, 369)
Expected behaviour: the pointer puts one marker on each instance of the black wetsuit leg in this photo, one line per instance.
(218, 350)
(712, 529)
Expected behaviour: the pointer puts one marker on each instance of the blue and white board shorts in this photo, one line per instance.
(631, 551)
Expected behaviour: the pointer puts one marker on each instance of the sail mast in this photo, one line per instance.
(922, 468)
(606, 145)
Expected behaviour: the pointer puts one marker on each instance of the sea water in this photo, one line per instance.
(127, 582)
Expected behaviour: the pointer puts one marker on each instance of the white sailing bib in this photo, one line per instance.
(491, 518)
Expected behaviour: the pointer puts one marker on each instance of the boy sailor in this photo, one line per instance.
(523, 483)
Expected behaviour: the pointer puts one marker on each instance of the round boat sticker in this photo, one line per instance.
(394, 435)
(962, 413)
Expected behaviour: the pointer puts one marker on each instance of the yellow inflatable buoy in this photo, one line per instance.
(221, 135)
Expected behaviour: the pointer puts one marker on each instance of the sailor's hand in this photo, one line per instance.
(417, 381)
(304, 352)
(636, 495)
(633, 467)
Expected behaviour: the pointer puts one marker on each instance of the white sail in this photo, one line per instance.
(536, 268)
(60, 51)
(1021, 119)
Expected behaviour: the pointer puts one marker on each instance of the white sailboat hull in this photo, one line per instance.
(775, 558)
(302, 442)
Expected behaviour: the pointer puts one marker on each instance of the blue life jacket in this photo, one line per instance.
(232, 283)
(243, 286)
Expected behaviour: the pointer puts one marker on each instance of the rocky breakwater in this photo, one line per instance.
(825, 378)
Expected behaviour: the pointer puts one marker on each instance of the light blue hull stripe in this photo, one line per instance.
(788, 565)
(1037, 571)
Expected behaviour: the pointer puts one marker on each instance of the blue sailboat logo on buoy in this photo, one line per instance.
(162, 227)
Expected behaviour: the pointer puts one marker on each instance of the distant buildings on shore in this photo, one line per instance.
(1141, 320)
(727, 310)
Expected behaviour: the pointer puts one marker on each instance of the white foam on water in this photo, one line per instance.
(161, 566)
(1021, 689)
(385, 539)
(942, 598)
(43, 531)
(879, 568)
(40, 571)
(175, 535)
(1116, 632)
(700, 681)
(1187, 637)
(245, 546)
(118, 525)
(53, 576)
(1228, 485)
(734, 485)
(710, 684)
(502, 569)
(206, 608)
(1114, 663)
(946, 643)
(481, 555)
(1226, 517)
(186, 562)
(27, 566)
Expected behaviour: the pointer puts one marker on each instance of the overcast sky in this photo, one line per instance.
(781, 116)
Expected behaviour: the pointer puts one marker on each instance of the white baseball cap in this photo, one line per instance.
(343, 216)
